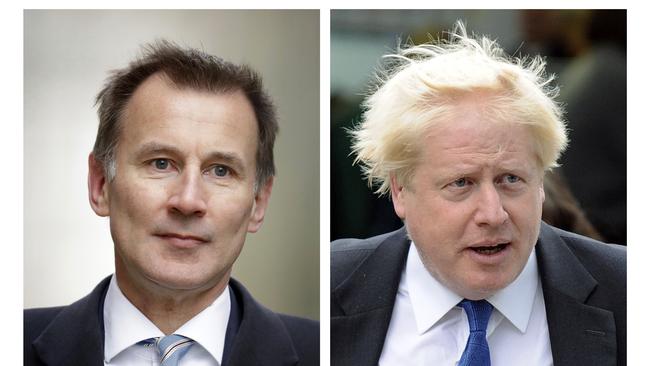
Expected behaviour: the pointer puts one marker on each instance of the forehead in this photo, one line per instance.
(188, 119)
(468, 136)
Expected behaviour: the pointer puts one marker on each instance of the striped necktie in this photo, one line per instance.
(477, 352)
(172, 348)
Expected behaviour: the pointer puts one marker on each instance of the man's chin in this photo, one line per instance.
(483, 288)
(185, 283)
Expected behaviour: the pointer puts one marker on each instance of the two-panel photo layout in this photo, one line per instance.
(181, 205)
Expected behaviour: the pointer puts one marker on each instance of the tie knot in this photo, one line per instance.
(478, 314)
(172, 348)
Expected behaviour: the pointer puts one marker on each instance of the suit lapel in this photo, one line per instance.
(579, 333)
(76, 335)
(262, 338)
(366, 300)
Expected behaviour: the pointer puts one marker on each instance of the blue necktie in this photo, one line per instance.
(172, 348)
(477, 352)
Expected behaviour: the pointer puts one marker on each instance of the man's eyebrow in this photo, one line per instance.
(151, 148)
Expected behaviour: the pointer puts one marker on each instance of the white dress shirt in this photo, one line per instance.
(428, 328)
(125, 326)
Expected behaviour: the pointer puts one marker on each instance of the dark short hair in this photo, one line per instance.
(185, 68)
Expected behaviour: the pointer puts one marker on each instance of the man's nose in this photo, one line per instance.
(187, 196)
(490, 210)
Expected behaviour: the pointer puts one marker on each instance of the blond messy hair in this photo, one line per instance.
(424, 85)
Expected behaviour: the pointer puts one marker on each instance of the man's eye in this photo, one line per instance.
(460, 183)
(220, 170)
(510, 178)
(161, 164)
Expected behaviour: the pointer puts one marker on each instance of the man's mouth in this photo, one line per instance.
(182, 240)
(490, 249)
(182, 236)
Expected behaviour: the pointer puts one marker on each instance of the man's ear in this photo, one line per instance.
(397, 192)
(260, 205)
(97, 187)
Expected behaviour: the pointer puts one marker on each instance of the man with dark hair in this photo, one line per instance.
(183, 167)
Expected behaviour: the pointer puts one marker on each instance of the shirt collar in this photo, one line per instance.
(431, 300)
(515, 301)
(125, 325)
(208, 328)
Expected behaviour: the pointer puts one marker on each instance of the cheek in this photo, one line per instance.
(526, 215)
(233, 211)
(433, 221)
(133, 204)
(537, 202)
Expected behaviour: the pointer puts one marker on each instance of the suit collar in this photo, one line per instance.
(560, 269)
(124, 323)
(373, 285)
(262, 338)
(579, 332)
(76, 333)
(367, 298)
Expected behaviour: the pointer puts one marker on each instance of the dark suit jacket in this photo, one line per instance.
(74, 335)
(584, 284)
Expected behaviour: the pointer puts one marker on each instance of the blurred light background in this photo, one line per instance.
(67, 55)
(585, 49)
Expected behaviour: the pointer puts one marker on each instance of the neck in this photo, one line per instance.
(168, 308)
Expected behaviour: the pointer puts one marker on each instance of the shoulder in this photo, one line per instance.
(603, 261)
(606, 264)
(274, 336)
(34, 323)
(300, 327)
(588, 245)
(36, 320)
(54, 331)
(347, 246)
(305, 334)
(347, 254)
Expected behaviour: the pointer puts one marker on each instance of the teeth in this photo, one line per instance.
(490, 250)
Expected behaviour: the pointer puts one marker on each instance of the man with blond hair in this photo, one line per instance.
(460, 136)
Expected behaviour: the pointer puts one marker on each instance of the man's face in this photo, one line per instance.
(182, 199)
(474, 205)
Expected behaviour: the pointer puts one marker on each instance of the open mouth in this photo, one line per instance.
(491, 249)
